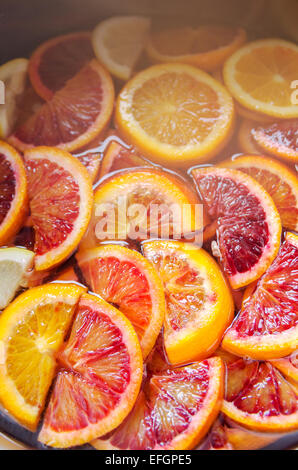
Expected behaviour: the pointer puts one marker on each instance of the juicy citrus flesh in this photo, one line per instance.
(206, 47)
(13, 192)
(60, 194)
(199, 303)
(258, 396)
(100, 376)
(173, 411)
(127, 280)
(56, 61)
(266, 327)
(32, 329)
(249, 227)
(175, 112)
(259, 76)
(277, 179)
(75, 114)
(278, 138)
(159, 193)
(288, 366)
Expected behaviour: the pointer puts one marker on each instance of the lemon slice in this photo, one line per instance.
(15, 263)
(119, 41)
(13, 74)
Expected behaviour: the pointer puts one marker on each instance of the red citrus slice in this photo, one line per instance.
(278, 138)
(100, 379)
(57, 60)
(173, 411)
(127, 280)
(13, 192)
(61, 196)
(267, 325)
(74, 116)
(280, 182)
(258, 396)
(118, 157)
(248, 224)
(288, 366)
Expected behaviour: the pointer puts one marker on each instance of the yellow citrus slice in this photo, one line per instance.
(175, 114)
(206, 47)
(119, 41)
(32, 329)
(13, 74)
(260, 74)
(278, 180)
(199, 303)
(15, 266)
(126, 279)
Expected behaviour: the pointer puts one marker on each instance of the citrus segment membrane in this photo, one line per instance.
(128, 281)
(248, 224)
(199, 303)
(100, 377)
(267, 325)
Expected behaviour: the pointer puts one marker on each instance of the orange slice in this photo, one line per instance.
(175, 114)
(67, 274)
(278, 138)
(141, 203)
(61, 196)
(124, 278)
(277, 179)
(259, 76)
(117, 157)
(199, 304)
(173, 412)
(32, 329)
(248, 224)
(75, 115)
(267, 325)
(258, 397)
(206, 47)
(100, 379)
(13, 192)
(288, 366)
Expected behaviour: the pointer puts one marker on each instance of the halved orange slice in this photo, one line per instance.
(57, 60)
(100, 379)
(199, 303)
(258, 397)
(75, 115)
(142, 203)
(206, 47)
(278, 180)
(248, 224)
(267, 325)
(175, 114)
(61, 197)
(127, 280)
(278, 138)
(32, 329)
(13, 192)
(259, 76)
(173, 411)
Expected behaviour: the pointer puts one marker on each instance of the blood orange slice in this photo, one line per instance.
(118, 157)
(61, 196)
(74, 116)
(259, 397)
(127, 280)
(173, 411)
(288, 366)
(55, 61)
(100, 379)
(278, 138)
(267, 325)
(280, 182)
(13, 192)
(199, 303)
(249, 226)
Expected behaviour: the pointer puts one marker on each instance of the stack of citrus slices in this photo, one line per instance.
(188, 335)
